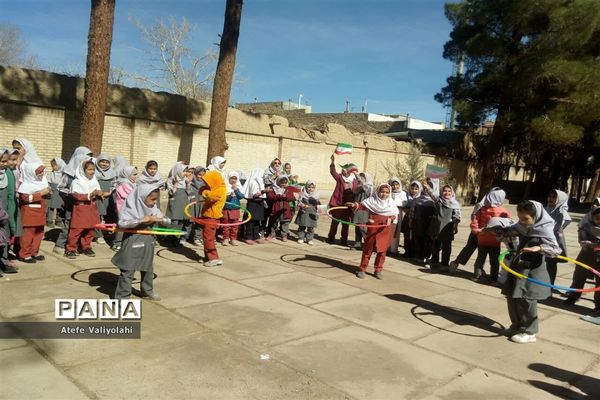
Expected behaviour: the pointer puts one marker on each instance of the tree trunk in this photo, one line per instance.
(217, 144)
(96, 76)
(594, 188)
(490, 158)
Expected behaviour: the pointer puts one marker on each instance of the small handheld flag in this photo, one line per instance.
(432, 171)
(343, 148)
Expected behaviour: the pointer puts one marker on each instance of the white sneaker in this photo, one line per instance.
(523, 338)
(101, 240)
(300, 240)
(225, 242)
(213, 263)
(58, 250)
(310, 242)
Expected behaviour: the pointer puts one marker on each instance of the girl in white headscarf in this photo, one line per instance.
(178, 187)
(382, 211)
(536, 241)
(231, 211)
(444, 225)
(307, 212)
(32, 198)
(27, 151)
(85, 190)
(105, 175)
(558, 208)
(137, 251)
(487, 243)
(254, 193)
(55, 202)
(217, 163)
(400, 199)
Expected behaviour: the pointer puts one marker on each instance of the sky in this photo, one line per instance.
(385, 54)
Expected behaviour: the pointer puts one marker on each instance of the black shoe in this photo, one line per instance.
(28, 260)
(330, 241)
(570, 301)
(39, 257)
(89, 253)
(70, 254)
(10, 270)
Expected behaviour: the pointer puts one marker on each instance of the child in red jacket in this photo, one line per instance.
(487, 243)
(85, 189)
(32, 193)
(279, 198)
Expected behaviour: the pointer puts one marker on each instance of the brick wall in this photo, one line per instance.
(142, 125)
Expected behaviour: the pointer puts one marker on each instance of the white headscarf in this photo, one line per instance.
(278, 189)
(75, 160)
(82, 184)
(56, 176)
(3, 177)
(379, 206)
(543, 227)
(399, 197)
(177, 171)
(30, 183)
(254, 183)
(494, 198)
(588, 226)
(215, 164)
(135, 207)
(124, 174)
(107, 174)
(270, 173)
(146, 179)
(306, 196)
(410, 196)
(31, 155)
(560, 211)
(228, 185)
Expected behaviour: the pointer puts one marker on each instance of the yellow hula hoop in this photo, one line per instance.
(186, 212)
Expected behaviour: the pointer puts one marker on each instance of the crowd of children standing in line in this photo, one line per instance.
(85, 191)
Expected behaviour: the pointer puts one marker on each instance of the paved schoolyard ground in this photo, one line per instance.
(327, 334)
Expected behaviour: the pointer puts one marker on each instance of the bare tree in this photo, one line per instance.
(96, 77)
(410, 170)
(217, 143)
(13, 48)
(173, 65)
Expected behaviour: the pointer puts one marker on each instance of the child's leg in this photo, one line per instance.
(197, 232)
(209, 237)
(551, 266)
(480, 260)
(49, 216)
(513, 314)
(63, 237)
(301, 232)
(310, 234)
(86, 239)
(123, 290)
(37, 240)
(73, 239)
(580, 275)
(233, 233)
(379, 261)
(366, 257)
(26, 241)
(467, 251)
(494, 253)
(285, 228)
(346, 216)
(226, 229)
(446, 251)
(147, 285)
(435, 251)
(527, 311)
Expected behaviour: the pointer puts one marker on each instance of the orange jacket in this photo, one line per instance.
(214, 196)
(481, 219)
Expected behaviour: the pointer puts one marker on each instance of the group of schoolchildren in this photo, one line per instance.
(86, 191)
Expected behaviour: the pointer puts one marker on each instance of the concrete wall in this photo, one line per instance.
(143, 125)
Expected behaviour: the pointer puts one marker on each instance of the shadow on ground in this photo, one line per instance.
(455, 315)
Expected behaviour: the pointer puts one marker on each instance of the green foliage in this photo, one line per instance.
(535, 66)
(410, 170)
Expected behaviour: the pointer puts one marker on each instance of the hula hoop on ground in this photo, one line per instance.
(538, 282)
(151, 231)
(202, 221)
(341, 221)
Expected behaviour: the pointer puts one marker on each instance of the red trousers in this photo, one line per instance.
(230, 217)
(80, 236)
(344, 215)
(209, 237)
(31, 240)
(366, 256)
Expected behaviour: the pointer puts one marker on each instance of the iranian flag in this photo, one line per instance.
(433, 171)
(343, 148)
